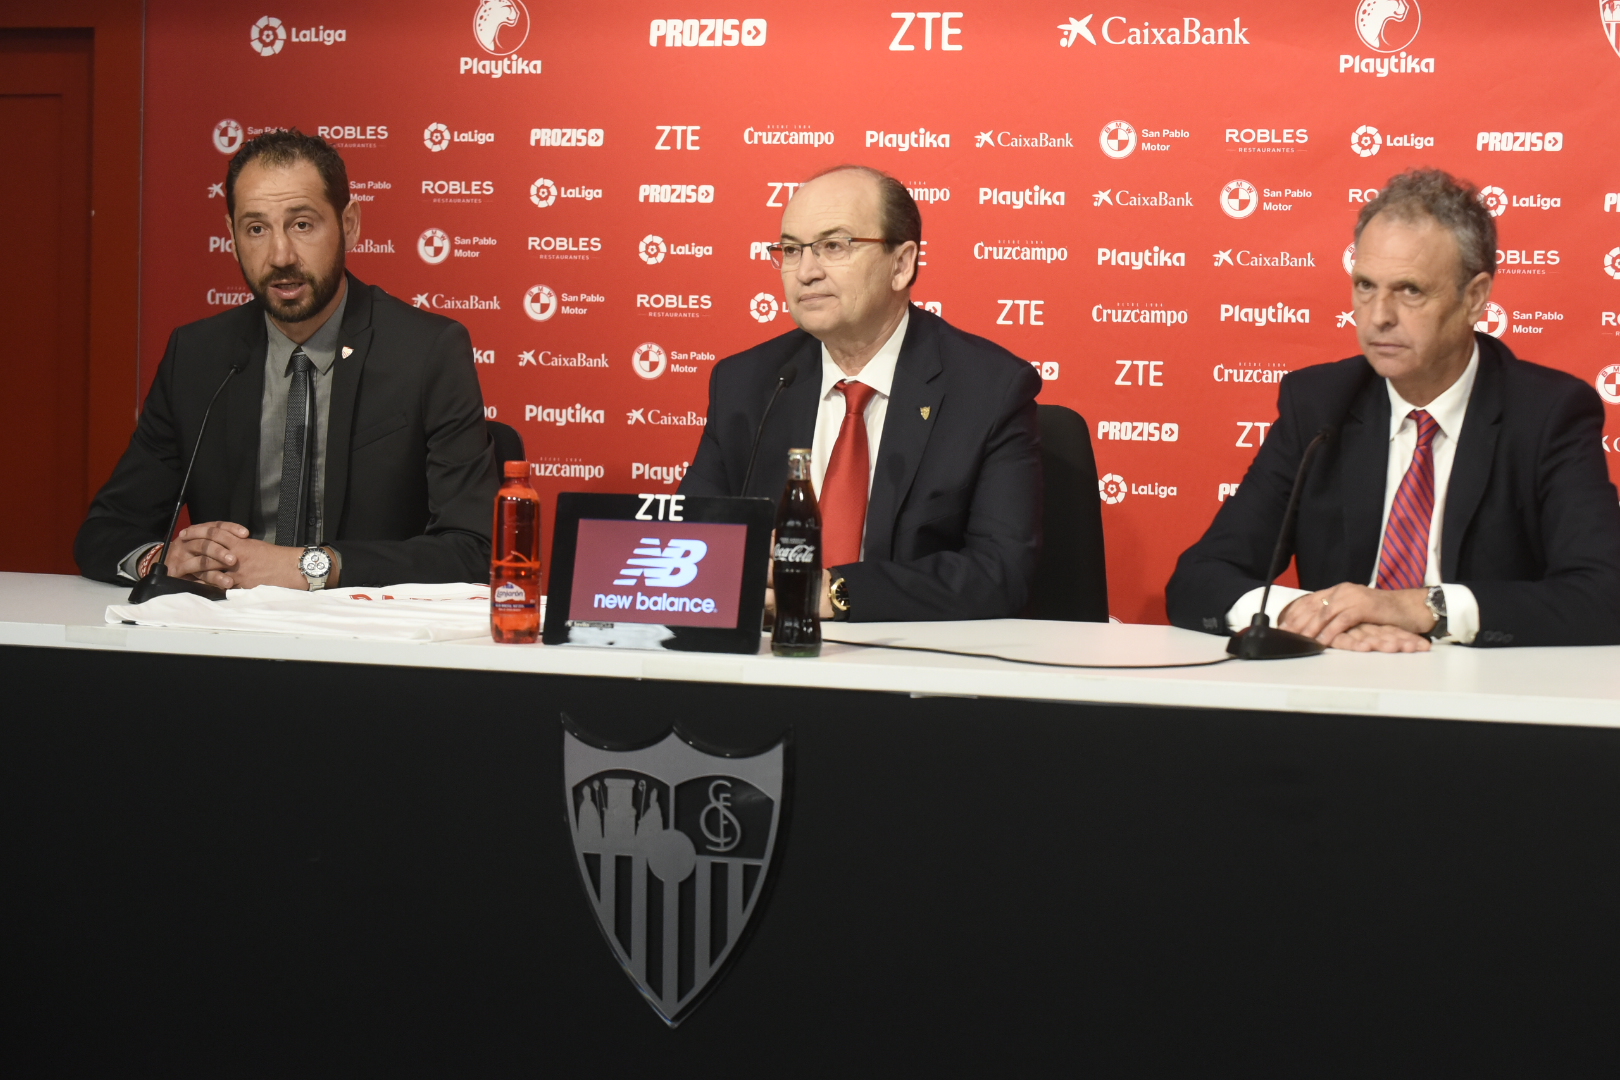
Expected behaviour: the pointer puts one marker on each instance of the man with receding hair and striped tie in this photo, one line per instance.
(1462, 494)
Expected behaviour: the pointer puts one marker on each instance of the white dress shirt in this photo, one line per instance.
(1448, 410)
(879, 375)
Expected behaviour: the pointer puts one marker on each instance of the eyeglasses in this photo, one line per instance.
(829, 251)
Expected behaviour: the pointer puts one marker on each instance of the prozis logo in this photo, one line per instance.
(1138, 430)
(1497, 201)
(438, 137)
(706, 33)
(269, 36)
(676, 193)
(544, 192)
(1117, 30)
(1367, 140)
(500, 27)
(654, 250)
(228, 136)
(1519, 141)
(1387, 26)
(566, 137)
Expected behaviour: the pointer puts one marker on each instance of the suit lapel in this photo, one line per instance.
(1364, 461)
(244, 404)
(1476, 449)
(354, 343)
(906, 429)
(791, 423)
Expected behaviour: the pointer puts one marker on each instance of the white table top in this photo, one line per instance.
(1540, 686)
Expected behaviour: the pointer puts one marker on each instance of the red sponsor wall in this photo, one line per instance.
(1151, 202)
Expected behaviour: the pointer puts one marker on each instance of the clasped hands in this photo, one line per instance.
(1360, 619)
(222, 553)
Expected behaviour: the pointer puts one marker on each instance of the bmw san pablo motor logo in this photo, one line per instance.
(1118, 140)
(434, 246)
(1611, 263)
(1366, 141)
(1495, 322)
(1608, 384)
(1239, 199)
(268, 36)
(436, 137)
(1388, 26)
(648, 360)
(692, 835)
(540, 303)
(227, 136)
(1112, 489)
(1494, 199)
(763, 307)
(501, 26)
(653, 249)
(542, 193)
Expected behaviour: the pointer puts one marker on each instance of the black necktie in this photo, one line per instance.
(292, 509)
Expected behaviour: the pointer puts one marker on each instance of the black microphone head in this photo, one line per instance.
(785, 377)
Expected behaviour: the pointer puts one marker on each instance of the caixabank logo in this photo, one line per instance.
(1119, 30)
(500, 27)
(270, 35)
(1388, 27)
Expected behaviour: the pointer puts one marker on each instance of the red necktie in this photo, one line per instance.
(1405, 558)
(849, 475)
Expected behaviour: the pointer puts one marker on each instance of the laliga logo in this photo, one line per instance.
(653, 249)
(437, 137)
(664, 567)
(227, 136)
(1373, 18)
(1495, 200)
(501, 26)
(542, 193)
(1611, 263)
(1112, 489)
(1118, 140)
(434, 246)
(763, 307)
(268, 36)
(648, 361)
(540, 303)
(1495, 321)
(1366, 141)
(1239, 199)
(1608, 384)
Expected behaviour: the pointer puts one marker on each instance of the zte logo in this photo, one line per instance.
(946, 31)
(685, 136)
(1140, 373)
(1029, 313)
(1254, 428)
(566, 136)
(781, 190)
(706, 33)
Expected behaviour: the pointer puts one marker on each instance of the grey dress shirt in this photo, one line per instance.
(321, 349)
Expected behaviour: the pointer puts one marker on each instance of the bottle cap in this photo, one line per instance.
(517, 470)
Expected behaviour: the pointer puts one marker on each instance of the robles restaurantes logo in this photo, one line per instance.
(434, 246)
(1387, 26)
(1117, 30)
(707, 33)
(540, 303)
(500, 27)
(269, 36)
(1118, 140)
(228, 136)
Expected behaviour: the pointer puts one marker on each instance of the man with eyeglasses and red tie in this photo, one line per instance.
(924, 451)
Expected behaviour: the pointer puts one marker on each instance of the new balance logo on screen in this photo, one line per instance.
(663, 566)
(706, 33)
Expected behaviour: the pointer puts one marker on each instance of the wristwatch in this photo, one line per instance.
(838, 596)
(1436, 600)
(316, 566)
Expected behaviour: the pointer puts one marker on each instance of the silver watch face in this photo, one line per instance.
(315, 563)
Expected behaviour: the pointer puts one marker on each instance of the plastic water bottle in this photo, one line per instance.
(514, 567)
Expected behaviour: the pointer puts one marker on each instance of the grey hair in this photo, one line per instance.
(1454, 204)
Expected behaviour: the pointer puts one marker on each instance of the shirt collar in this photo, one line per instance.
(1448, 409)
(878, 372)
(321, 348)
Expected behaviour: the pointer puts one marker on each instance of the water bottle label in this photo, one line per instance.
(509, 593)
(794, 551)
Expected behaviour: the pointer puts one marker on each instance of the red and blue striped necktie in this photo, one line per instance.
(1405, 558)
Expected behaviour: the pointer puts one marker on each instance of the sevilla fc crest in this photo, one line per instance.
(674, 844)
(1609, 13)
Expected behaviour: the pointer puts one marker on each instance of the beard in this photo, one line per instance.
(321, 290)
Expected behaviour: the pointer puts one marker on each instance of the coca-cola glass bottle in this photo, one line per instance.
(796, 564)
(514, 565)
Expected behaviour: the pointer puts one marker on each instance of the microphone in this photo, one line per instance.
(157, 581)
(1260, 640)
(784, 379)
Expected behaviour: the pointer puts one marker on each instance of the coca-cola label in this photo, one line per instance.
(794, 551)
(508, 593)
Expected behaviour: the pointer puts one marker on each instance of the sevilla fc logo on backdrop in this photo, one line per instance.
(1388, 26)
(1609, 12)
(691, 836)
(501, 26)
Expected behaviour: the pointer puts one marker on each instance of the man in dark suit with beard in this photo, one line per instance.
(351, 445)
(1462, 494)
(924, 452)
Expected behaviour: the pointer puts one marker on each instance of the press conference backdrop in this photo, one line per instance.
(1151, 202)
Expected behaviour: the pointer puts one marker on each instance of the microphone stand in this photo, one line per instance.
(1260, 640)
(784, 379)
(157, 581)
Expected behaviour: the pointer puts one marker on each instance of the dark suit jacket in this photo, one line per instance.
(410, 476)
(953, 523)
(1531, 522)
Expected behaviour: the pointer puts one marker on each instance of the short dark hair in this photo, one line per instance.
(1454, 204)
(288, 146)
(899, 219)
